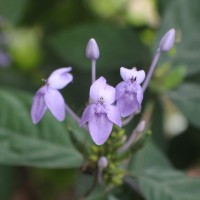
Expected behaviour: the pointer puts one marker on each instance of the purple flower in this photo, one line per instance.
(101, 114)
(129, 94)
(49, 97)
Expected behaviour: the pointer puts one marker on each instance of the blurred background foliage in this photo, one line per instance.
(36, 37)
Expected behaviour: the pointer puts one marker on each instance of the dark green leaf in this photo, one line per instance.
(12, 10)
(187, 99)
(158, 180)
(165, 184)
(7, 181)
(148, 157)
(174, 77)
(22, 143)
(183, 15)
(118, 46)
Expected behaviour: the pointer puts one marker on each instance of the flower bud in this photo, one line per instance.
(167, 41)
(92, 50)
(102, 162)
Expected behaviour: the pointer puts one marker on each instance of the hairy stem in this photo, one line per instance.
(151, 70)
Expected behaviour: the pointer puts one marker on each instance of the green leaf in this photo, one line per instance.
(158, 180)
(7, 181)
(184, 16)
(175, 77)
(187, 99)
(158, 184)
(118, 46)
(12, 10)
(22, 143)
(150, 156)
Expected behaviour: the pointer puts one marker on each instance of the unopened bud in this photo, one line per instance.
(92, 50)
(102, 162)
(167, 41)
(141, 126)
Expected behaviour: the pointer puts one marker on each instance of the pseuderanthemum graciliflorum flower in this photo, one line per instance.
(101, 114)
(129, 94)
(49, 97)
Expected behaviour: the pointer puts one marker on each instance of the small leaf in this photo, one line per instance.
(22, 143)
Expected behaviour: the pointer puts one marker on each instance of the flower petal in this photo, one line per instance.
(120, 89)
(88, 113)
(128, 104)
(127, 74)
(55, 103)
(96, 87)
(140, 76)
(113, 115)
(108, 93)
(139, 94)
(60, 78)
(38, 107)
(100, 128)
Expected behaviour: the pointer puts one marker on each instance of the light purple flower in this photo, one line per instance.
(101, 114)
(49, 97)
(129, 94)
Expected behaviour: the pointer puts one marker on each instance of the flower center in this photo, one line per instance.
(133, 79)
(101, 100)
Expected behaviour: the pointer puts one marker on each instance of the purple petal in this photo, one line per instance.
(108, 93)
(139, 94)
(88, 113)
(55, 103)
(96, 87)
(140, 76)
(120, 89)
(113, 115)
(127, 74)
(38, 107)
(60, 78)
(128, 104)
(100, 128)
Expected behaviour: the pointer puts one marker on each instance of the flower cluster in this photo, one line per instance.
(107, 104)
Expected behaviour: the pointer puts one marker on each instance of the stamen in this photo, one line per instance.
(133, 79)
(101, 100)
